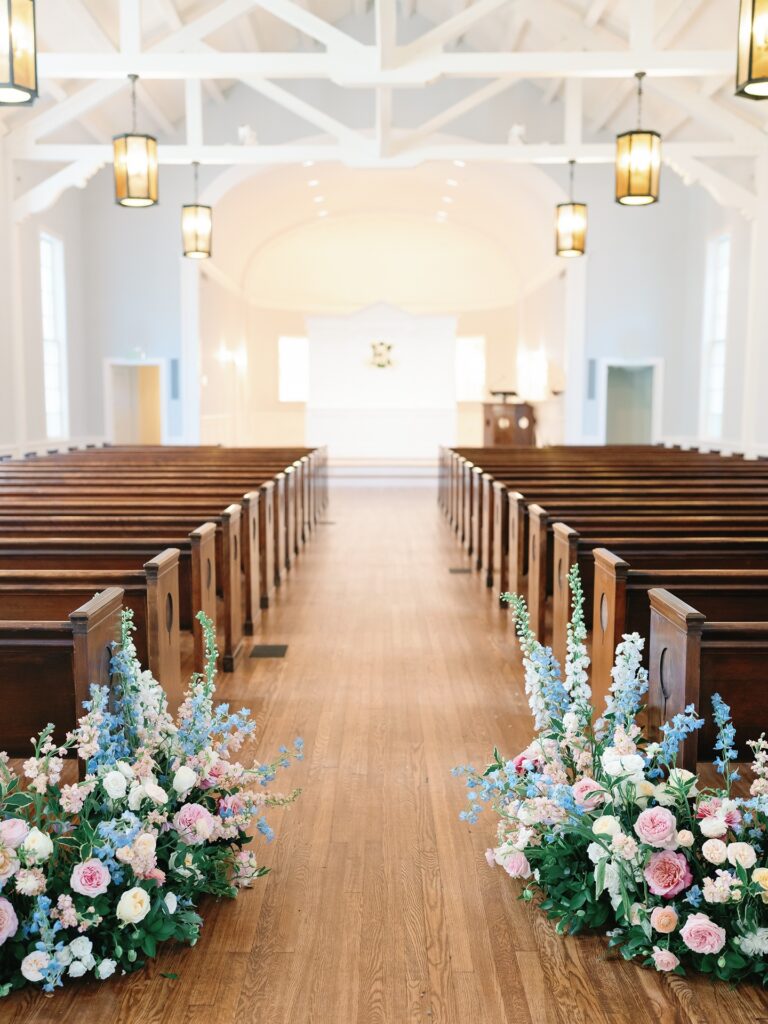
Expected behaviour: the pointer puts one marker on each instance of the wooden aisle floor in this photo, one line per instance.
(381, 908)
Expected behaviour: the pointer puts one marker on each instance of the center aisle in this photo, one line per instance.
(381, 908)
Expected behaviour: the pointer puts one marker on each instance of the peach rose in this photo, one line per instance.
(13, 832)
(657, 827)
(742, 854)
(715, 851)
(587, 793)
(9, 923)
(194, 823)
(667, 874)
(664, 919)
(702, 935)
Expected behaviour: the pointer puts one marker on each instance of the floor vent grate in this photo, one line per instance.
(269, 651)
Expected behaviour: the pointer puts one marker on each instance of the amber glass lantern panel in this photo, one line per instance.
(18, 52)
(135, 163)
(752, 59)
(571, 229)
(638, 164)
(196, 231)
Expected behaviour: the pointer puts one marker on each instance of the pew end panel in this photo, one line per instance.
(477, 516)
(488, 537)
(266, 543)
(279, 527)
(500, 566)
(516, 544)
(565, 554)
(250, 543)
(203, 566)
(674, 659)
(609, 613)
(163, 624)
(232, 585)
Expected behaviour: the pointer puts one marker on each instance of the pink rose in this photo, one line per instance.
(90, 878)
(156, 875)
(667, 874)
(215, 775)
(702, 935)
(587, 793)
(490, 857)
(664, 959)
(9, 923)
(13, 832)
(657, 827)
(194, 823)
(516, 865)
(231, 806)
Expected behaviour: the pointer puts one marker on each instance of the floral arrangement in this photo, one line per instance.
(94, 875)
(608, 833)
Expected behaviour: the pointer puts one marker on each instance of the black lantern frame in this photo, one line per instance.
(752, 50)
(18, 53)
(638, 160)
(135, 164)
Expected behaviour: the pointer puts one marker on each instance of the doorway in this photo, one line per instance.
(134, 406)
(630, 402)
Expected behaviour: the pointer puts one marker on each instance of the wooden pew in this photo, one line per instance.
(673, 552)
(691, 658)
(621, 603)
(152, 593)
(48, 668)
(196, 565)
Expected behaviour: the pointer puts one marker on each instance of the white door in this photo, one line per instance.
(629, 405)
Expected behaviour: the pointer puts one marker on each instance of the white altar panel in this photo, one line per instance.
(360, 410)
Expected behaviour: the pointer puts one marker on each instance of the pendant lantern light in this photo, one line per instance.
(135, 162)
(752, 59)
(638, 160)
(18, 52)
(196, 227)
(571, 224)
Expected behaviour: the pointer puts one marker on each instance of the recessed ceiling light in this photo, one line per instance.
(322, 213)
(441, 214)
(318, 199)
(308, 163)
(459, 163)
(313, 182)
(447, 199)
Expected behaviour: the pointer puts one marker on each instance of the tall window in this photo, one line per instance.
(470, 369)
(715, 336)
(293, 369)
(54, 324)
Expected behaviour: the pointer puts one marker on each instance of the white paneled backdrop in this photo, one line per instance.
(362, 411)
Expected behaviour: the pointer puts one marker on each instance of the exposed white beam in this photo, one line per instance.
(456, 110)
(707, 110)
(306, 111)
(724, 190)
(385, 13)
(676, 20)
(45, 193)
(383, 121)
(360, 69)
(595, 11)
(130, 26)
(193, 109)
(435, 39)
(201, 27)
(308, 23)
(518, 153)
(641, 25)
(573, 111)
(167, 10)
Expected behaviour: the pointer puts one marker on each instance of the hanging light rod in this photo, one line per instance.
(135, 163)
(638, 160)
(18, 53)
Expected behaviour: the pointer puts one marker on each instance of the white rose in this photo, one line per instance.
(630, 765)
(664, 795)
(81, 947)
(133, 906)
(37, 846)
(741, 854)
(713, 828)
(106, 969)
(34, 964)
(135, 797)
(184, 780)
(64, 956)
(171, 902)
(155, 793)
(76, 969)
(607, 825)
(115, 785)
(644, 791)
(125, 769)
(715, 851)
(596, 852)
(684, 838)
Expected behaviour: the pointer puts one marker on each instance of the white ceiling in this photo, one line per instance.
(581, 53)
